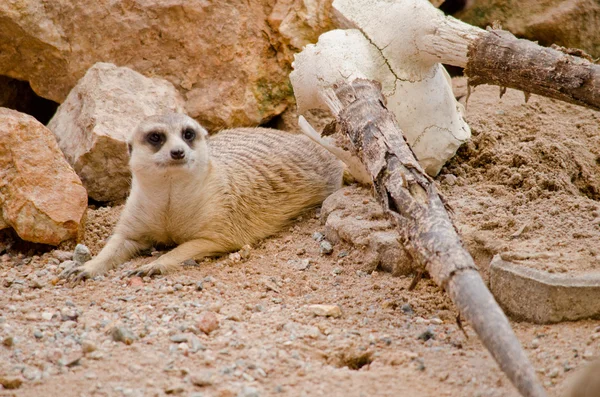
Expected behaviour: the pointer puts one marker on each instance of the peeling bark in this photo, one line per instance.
(498, 57)
(411, 200)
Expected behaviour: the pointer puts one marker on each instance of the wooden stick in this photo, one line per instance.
(411, 200)
(412, 34)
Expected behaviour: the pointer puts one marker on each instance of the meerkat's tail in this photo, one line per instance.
(354, 170)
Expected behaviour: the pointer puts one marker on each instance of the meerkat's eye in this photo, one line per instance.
(155, 138)
(188, 134)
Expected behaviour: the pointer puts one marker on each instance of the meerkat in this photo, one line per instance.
(211, 195)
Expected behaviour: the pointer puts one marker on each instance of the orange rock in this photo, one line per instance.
(135, 282)
(41, 197)
(208, 322)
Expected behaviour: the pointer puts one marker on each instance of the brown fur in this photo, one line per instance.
(232, 189)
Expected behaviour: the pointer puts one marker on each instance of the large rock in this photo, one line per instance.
(568, 23)
(541, 297)
(94, 122)
(225, 58)
(40, 195)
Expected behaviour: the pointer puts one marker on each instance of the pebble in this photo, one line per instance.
(208, 322)
(426, 335)
(248, 392)
(450, 179)
(343, 254)
(554, 372)
(325, 248)
(190, 263)
(199, 286)
(326, 310)
(202, 378)
(88, 346)
(407, 308)
(38, 334)
(300, 265)
(135, 282)
(535, 343)
(81, 254)
(195, 344)
(47, 316)
(179, 338)
(9, 341)
(62, 255)
(245, 252)
(10, 382)
(122, 334)
(318, 236)
(67, 265)
(337, 270)
(175, 388)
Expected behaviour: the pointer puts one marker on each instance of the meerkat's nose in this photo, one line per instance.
(177, 154)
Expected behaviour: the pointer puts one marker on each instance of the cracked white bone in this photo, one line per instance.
(419, 93)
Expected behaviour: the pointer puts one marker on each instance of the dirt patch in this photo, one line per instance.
(528, 183)
(58, 339)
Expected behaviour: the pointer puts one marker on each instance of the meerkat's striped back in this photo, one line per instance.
(273, 175)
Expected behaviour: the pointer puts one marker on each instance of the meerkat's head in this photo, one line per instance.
(168, 143)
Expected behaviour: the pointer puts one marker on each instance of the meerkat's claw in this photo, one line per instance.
(151, 269)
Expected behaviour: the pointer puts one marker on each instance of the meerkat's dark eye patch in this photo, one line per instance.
(156, 138)
(188, 134)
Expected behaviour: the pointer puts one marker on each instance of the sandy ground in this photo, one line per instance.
(528, 182)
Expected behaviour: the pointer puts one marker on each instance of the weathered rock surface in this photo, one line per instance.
(352, 215)
(227, 60)
(301, 22)
(568, 23)
(101, 112)
(541, 297)
(40, 195)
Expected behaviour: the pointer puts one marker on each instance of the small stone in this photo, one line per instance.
(11, 382)
(135, 282)
(202, 378)
(174, 389)
(248, 392)
(38, 334)
(179, 338)
(122, 334)
(426, 335)
(199, 286)
(9, 341)
(190, 263)
(300, 265)
(407, 308)
(88, 346)
(326, 248)
(326, 310)
(535, 343)
(450, 179)
(337, 270)
(553, 373)
(208, 322)
(343, 254)
(62, 255)
(71, 360)
(318, 236)
(235, 257)
(67, 265)
(81, 254)
(245, 252)
(195, 344)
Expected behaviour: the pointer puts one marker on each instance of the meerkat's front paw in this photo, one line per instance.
(151, 269)
(83, 272)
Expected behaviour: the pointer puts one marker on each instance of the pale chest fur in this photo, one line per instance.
(173, 209)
